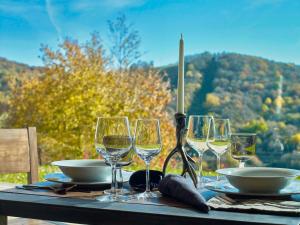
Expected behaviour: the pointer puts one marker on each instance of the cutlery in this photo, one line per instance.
(284, 204)
(230, 201)
(56, 190)
(226, 200)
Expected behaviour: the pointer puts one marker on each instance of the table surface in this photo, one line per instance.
(89, 211)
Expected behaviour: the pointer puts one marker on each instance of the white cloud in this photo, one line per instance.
(84, 5)
(52, 15)
(15, 7)
(122, 3)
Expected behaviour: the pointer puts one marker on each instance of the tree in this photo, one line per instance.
(75, 89)
(125, 42)
(212, 100)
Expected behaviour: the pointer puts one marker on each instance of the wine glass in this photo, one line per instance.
(113, 141)
(243, 147)
(147, 144)
(220, 141)
(197, 136)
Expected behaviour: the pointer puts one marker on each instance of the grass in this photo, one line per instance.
(21, 178)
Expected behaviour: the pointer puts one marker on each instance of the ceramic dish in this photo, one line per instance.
(61, 178)
(227, 188)
(85, 170)
(259, 179)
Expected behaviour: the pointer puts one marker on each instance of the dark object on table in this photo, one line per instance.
(188, 163)
(177, 187)
(138, 180)
(56, 188)
(62, 189)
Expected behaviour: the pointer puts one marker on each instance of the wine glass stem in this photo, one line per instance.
(120, 183)
(218, 165)
(242, 164)
(147, 177)
(114, 178)
(200, 169)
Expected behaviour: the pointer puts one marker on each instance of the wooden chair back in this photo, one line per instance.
(18, 152)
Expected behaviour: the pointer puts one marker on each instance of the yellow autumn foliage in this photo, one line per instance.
(279, 101)
(296, 138)
(77, 86)
(212, 100)
(268, 101)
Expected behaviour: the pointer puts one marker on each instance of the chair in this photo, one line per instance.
(18, 152)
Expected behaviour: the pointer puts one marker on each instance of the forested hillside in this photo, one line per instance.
(11, 73)
(258, 95)
(9, 69)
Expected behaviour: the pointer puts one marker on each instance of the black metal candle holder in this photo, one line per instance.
(188, 163)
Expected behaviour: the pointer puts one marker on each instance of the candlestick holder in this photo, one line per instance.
(187, 161)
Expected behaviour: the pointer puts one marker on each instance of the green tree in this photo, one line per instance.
(125, 42)
(75, 89)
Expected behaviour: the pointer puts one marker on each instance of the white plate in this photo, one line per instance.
(226, 188)
(85, 170)
(259, 179)
(61, 178)
(259, 172)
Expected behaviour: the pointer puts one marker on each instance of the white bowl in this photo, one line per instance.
(85, 170)
(259, 179)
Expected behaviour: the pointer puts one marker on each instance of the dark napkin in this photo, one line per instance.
(137, 180)
(177, 187)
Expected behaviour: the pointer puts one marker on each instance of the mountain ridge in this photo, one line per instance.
(258, 95)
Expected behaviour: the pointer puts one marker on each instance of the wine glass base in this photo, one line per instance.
(116, 198)
(118, 191)
(121, 195)
(108, 198)
(221, 178)
(147, 195)
(203, 181)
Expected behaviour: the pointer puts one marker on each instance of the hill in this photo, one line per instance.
(12, 72)
(258, 95)
(9, 69)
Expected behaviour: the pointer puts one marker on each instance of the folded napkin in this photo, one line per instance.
(177, 187)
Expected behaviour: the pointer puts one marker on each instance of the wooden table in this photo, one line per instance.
(88, 211)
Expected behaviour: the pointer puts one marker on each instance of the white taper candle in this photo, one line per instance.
(180, 84)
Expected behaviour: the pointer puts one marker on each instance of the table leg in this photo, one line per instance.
(3, 220)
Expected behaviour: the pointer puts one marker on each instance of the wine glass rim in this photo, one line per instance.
(221, 118)
(112, 117)
(200, 116)
(243, 134)
(147, 119)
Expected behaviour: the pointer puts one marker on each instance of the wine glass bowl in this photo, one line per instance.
(117, 146)
(220, 141)
(198, 129)
(243, 147)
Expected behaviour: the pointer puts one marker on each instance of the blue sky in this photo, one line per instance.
(267, 28)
